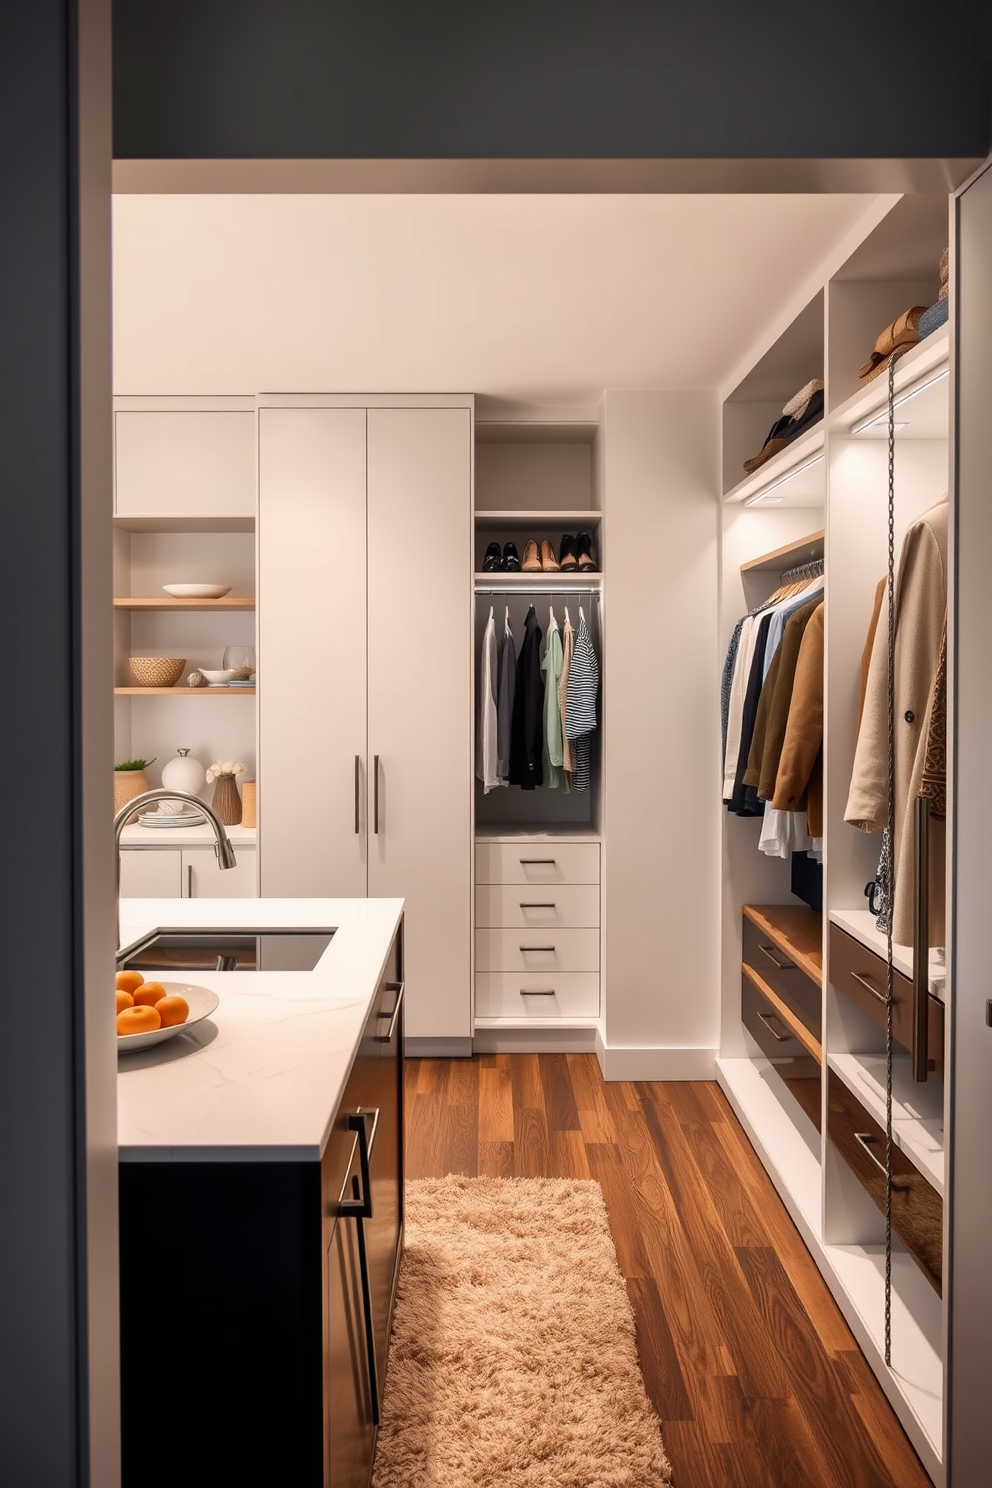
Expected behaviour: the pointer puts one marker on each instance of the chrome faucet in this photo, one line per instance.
(222, 848)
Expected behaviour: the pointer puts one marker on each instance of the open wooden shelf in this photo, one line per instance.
(232, 602)
(184, 691)
(803, 550)
(799, 469)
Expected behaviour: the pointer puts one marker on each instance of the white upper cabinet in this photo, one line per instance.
(184, 463)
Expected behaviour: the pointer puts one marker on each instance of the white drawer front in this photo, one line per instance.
(535, 864)
(537, 950)
(570, 994)
(524, 908)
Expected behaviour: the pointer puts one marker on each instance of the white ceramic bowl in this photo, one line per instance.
(202, 1002)
(197, 591)
(216, 679)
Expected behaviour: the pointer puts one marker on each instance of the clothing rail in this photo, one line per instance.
(811, 570)
(538, 589)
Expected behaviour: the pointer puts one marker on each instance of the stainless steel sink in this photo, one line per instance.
(255, 949)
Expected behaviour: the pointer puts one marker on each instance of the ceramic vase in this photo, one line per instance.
(226, 801)
(184, 773)
(127, 785)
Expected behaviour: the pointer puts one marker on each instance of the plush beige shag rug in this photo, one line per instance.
(513, 1361)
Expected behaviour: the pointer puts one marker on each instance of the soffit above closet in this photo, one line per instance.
(526, 298)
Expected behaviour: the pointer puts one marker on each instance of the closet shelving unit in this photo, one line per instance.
(537, 478)
(184, 511)
(834, 479)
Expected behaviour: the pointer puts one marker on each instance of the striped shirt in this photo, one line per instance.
(580, 703)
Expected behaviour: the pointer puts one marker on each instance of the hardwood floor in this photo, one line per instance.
(751, 1367)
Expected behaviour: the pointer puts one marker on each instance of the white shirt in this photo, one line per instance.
(486, 752)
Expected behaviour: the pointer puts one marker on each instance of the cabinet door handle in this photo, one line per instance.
(538, 906)
(766, 1019)
(359, 1208)
(533, 992)
(921, 943)
(865, 1139)
(535, 862)
(398, 988)
(766, 950)
(363, 1266)
(358, 787)
(864, 982)
(375, 796)
(189, 880)
(538, 948)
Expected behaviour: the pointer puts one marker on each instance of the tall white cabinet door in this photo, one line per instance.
(312, 652)
(420, 700)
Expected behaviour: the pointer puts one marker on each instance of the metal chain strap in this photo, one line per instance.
(890, 823)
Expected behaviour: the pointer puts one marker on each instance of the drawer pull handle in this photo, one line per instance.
(766, 1019)
(865, 1139)
(538, 948)
(398, 988)
(534, 862)
(538, 906)
(766, 950)
(864, 982)
(533, 992)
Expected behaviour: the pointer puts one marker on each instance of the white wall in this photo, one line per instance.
(662, 731)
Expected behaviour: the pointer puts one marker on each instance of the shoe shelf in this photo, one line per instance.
(496, 521)
(540, 583)
(185, 691)
(796, 476)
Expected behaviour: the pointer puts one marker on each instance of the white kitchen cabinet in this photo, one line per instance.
(204, 879)
(365, 672)
(150, 873)
(174, 462)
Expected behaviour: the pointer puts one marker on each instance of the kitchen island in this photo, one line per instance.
(261, 1206)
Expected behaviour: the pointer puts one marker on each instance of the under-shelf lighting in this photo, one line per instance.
(876, 419)
(764, 494)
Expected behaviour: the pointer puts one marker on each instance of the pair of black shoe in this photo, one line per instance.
(505, 561)
(576, 553)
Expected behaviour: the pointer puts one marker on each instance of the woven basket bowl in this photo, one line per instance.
(156, 671)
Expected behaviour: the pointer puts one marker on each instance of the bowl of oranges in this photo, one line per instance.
(150, 1012)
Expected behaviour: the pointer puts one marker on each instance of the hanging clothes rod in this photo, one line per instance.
(539, 590)
(811, 570)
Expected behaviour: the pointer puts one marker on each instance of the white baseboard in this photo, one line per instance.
(621, 1063)
(438, 1048)
(535, 1040)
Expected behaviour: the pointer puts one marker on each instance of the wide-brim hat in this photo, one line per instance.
(898, 337)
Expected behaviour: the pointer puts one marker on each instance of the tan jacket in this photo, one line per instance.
(773, 705)
(800, 770)
(921, 612)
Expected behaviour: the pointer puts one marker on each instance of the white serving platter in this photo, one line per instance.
(202, 1002)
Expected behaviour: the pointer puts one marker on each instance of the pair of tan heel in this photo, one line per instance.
(539, 559)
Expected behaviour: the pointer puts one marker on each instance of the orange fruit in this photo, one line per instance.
(172, 1010)
(148, 994)
(138, 1020)
(129, 981)
(124, 1000)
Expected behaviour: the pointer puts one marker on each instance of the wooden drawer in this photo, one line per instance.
(571, 905)
(791, 1061)
(860, 975)
(917, 1208)
(537, 950)
(501, 994)
(776, 966)
(535, 864)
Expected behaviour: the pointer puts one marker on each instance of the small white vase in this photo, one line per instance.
(184, 773)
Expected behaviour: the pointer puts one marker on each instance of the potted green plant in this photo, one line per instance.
(130, 780)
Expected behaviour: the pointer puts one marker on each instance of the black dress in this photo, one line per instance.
(526, 768)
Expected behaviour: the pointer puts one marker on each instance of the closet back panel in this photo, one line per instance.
(533, 477)
(311, 650)
(420, 683)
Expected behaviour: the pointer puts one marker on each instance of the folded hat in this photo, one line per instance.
(810, 415)
(933, 319)
(796, 407)
(894, 340)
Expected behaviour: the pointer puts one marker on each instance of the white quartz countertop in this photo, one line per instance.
(260, 1079)
(202, 835)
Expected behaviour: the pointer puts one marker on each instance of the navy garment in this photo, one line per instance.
(527, 740)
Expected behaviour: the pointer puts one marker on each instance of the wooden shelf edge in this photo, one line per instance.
(803, 550)
(807, 448)
(771, 921)
(244, 603)
(799, 1030)
(184, 691)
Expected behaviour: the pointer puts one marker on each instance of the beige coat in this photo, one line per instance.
(799, 780)
(921, 612)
